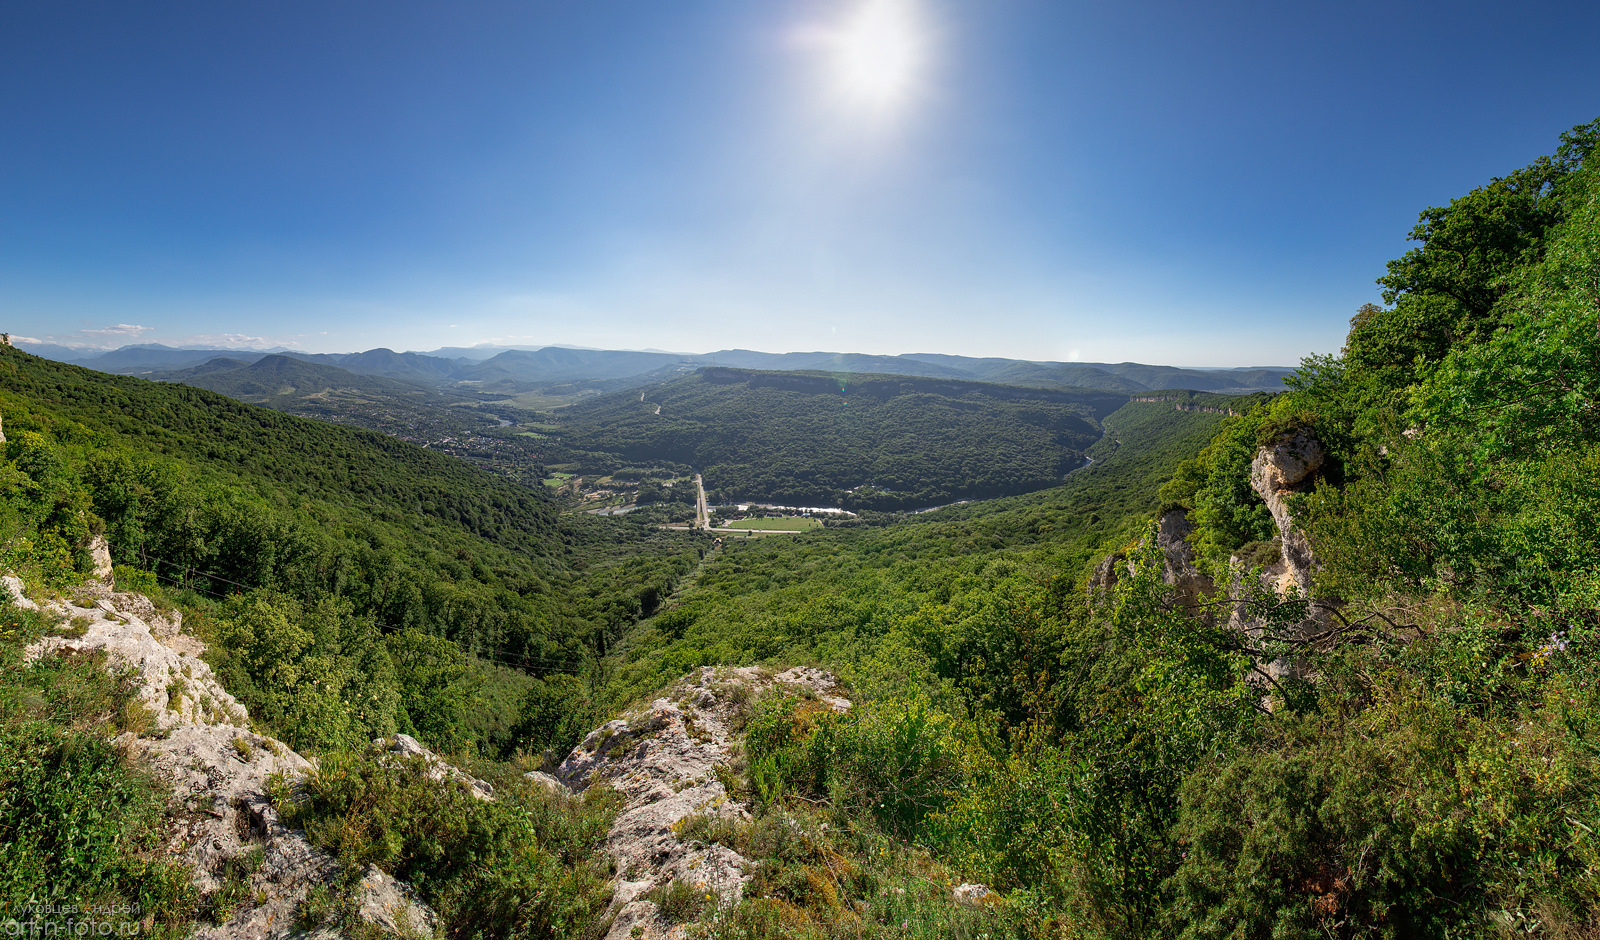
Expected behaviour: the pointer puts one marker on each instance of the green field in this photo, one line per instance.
(557, 478)
(785, 524)
(541, 401)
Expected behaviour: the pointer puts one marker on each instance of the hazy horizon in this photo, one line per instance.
(91, 351)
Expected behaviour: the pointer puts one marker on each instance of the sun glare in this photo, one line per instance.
(877, 54)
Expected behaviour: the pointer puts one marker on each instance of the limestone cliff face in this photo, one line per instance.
(218, 767)
(1178, 568)
(1188, 583)
(1280, 470)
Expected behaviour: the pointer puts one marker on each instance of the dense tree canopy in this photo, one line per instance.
(860, 442)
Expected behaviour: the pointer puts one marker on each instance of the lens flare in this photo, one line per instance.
(877, 54)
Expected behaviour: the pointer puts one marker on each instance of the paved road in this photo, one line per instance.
(702, 512)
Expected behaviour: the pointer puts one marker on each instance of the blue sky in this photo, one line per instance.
(1195, 184)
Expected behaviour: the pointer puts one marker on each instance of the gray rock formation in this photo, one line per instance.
(404, 745)
(1178, 569)
(100, 552)
(1106, 575)
(1280, 470)
(218, 768)
(663, 760)
(548, 782)
(973, 895)
(1188, 583)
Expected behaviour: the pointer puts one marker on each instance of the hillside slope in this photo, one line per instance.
(862, 442)
(214, 497)
(286, 377)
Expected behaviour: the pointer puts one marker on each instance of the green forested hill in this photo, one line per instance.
(283, 379)
(306, 458)
(219, 497)
(862, 442)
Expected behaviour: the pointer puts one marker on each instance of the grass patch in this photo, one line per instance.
(783, 524)
(541, 401)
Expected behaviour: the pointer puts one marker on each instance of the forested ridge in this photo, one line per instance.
(871, 442)
(1368, 708)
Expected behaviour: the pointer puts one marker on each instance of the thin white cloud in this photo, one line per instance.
(120, 331)
(124, 334)
(234, 341)
(110, 337)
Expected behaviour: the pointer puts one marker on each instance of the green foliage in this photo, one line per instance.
(1448, 291)
(321, 674)
(1460, 789)
(680, 901)
(893, 759)
(80, 822)
(872, 442)
(823, 873)
(1085, 813)
(525, 865)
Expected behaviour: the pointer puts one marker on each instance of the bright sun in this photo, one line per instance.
(876, 55)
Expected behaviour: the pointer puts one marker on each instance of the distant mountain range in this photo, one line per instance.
(511, 369)
(280, 376)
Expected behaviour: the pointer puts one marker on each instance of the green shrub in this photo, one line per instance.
(680, 901)
(81, 824)
(522, 866)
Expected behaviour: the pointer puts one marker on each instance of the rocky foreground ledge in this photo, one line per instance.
(662, 760)
(218, 768)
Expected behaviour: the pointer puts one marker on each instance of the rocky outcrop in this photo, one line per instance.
(100, 554)
(1280, 470)
(663, 761)
(973, 895)
(1106, 575)
(1178, 570)
(1189, 585)
(405, 746)
(200, 742)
